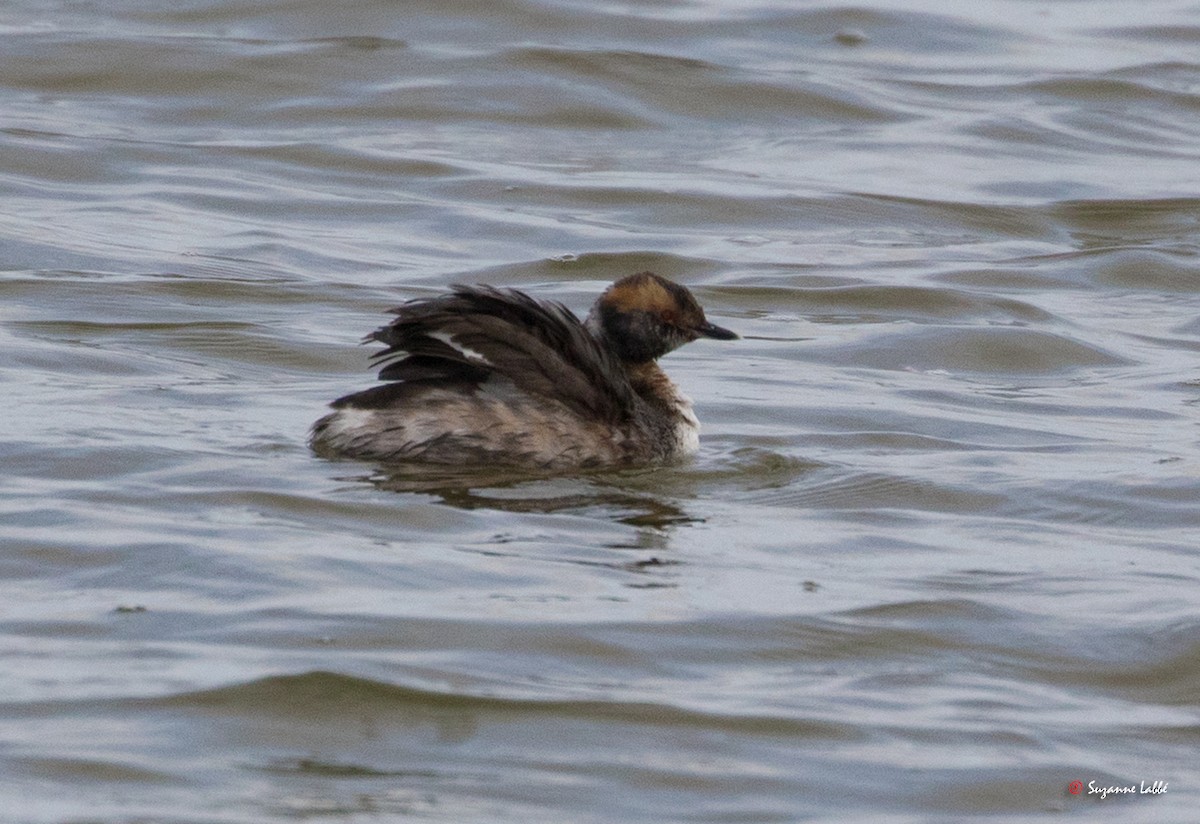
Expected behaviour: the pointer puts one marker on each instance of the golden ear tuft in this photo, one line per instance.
(642, 292)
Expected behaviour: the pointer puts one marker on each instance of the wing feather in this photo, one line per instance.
(476, 332)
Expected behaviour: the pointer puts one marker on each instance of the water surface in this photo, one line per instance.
(936, 559)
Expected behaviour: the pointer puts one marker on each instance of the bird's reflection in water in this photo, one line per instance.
(621, 497)
(510, 490)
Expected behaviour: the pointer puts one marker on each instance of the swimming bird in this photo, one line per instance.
(490, 376)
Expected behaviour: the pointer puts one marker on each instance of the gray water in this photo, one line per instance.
(937, 556)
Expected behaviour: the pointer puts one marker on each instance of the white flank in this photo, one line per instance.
(348, 422)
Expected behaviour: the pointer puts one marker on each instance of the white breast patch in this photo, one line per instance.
(687, 431)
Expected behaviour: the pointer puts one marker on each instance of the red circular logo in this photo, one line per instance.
(1075, 787)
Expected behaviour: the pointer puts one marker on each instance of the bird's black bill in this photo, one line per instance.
(711, 330)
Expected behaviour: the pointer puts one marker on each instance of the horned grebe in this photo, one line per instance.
(491, 376)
